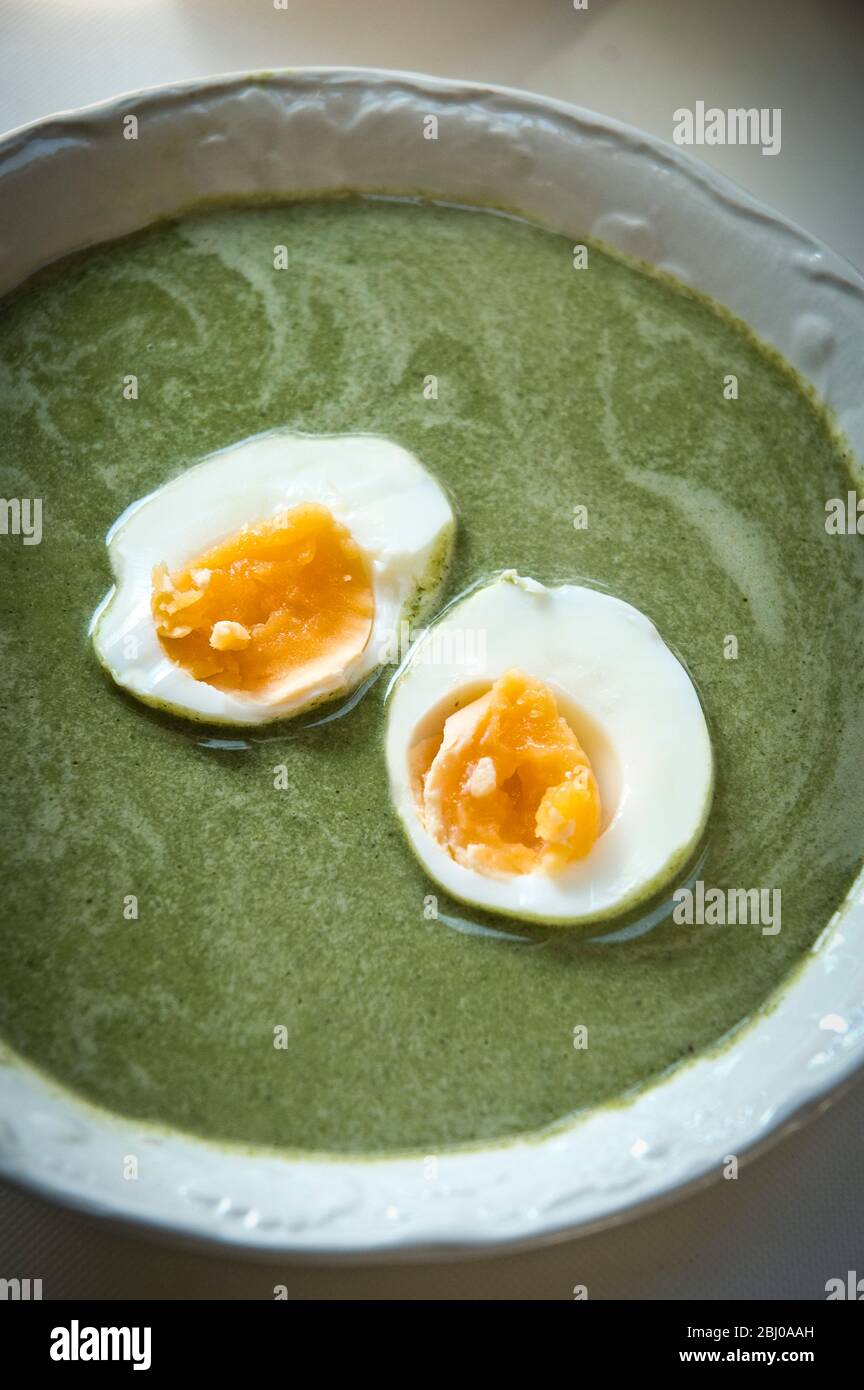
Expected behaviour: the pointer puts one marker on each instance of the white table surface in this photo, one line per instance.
(795, 1217)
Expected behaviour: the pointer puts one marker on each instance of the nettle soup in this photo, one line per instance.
(265, 884)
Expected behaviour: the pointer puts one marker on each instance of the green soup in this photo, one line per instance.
(300, 906)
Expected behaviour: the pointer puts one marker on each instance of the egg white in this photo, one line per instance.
(629, 701)
(394, 509)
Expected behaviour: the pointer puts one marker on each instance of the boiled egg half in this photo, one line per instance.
(548, 754)
(271, 576)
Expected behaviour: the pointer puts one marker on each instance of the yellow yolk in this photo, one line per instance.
(278, 606)
(507, 787)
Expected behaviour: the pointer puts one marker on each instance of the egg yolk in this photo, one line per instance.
(277, 607)
(507, 788)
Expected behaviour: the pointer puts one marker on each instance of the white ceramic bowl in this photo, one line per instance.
(73, 180)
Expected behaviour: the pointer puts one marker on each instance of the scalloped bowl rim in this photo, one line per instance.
(668, 1139)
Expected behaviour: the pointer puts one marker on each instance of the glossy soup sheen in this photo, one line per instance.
(301, 906)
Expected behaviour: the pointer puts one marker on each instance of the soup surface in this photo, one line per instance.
(172, 901)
